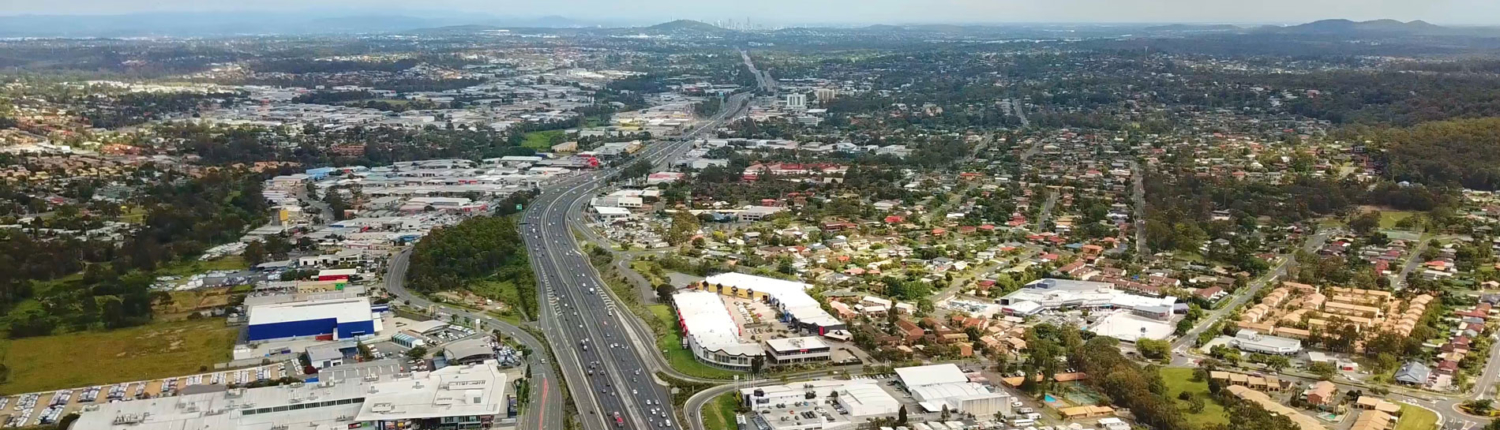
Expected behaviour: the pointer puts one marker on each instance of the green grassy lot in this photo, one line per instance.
(670, 340)
(1181, 379)
(1389, 218)
(91, 358)
(719, 414)
(541, 140)
(1415, 418)
(188, 268)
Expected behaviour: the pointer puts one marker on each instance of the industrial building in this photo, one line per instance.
(826, 405)
(1056, 294)
(1251, 341)
(323, 319)
(712, 334)
(449, 398)
(797, 308)
(943, 385)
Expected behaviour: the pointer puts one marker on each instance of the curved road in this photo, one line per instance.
(546, 407)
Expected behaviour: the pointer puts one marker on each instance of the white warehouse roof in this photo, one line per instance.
(931, 375)
(344, 310)
(709, 324)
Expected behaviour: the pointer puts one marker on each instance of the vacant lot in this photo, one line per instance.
(543, 140)
(1181, 379)
(1388, 218)
(132, 354)
(1415, 418)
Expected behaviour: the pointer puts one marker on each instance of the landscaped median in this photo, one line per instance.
(719, 413)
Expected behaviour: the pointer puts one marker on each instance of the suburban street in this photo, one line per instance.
(1239, 299)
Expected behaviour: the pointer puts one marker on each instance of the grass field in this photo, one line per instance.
(188, 268)
(131, 354)
(542, 140)
(719, 414)
(670, 340)
(1416, 418)
(1389, 218)
(1181, 379)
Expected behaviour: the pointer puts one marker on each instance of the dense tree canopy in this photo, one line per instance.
(477, 249)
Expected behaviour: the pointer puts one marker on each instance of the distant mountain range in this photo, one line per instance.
(208, 24)
(1347, 27)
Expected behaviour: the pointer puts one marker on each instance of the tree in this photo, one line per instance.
(1324, 370)
(901, 415)
(664, 293)
(417, 353)
(1365, 223)
(1195, 405)
(255, 252)
(1278, 362)
(1480, 406)
(756, 363)
(1153, 349)
(364, 352)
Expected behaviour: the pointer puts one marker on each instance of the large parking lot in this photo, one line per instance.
(44, 408)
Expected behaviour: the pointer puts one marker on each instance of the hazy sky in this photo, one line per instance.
(840, 11)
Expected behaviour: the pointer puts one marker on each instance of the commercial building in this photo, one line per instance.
(453, 397)
(797, 308)
(712, 334)
(944, 385)
(798, 350)
(323, 319)
(1250, 341)
(477, 350)
(826, 405)
(1058, 294)
(325, 355)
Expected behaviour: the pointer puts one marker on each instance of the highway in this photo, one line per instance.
(545, 410)
(607, 366)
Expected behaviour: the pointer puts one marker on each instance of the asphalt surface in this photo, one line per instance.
(546, 404)
(606, 365)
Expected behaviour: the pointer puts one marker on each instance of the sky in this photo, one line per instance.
(792, 12)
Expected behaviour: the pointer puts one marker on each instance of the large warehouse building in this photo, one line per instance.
(798, 309)
(454, 397)
(939, 385)
(712, 334)
(322, 319)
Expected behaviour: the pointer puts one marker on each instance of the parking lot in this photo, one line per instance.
(44, 408)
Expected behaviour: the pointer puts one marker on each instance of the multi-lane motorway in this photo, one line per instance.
(606, 366)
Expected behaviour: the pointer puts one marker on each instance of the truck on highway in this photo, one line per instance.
(619, 422)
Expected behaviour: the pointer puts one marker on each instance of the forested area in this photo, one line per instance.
(476, 250)
(383, 145)
(140, 107)
(183, 217)
(1462, 152)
